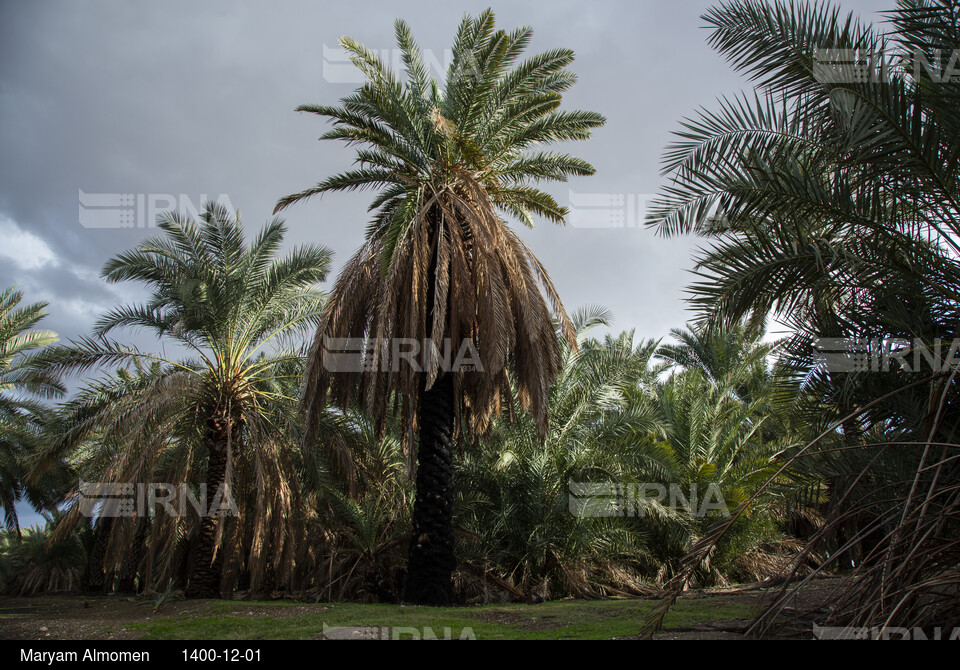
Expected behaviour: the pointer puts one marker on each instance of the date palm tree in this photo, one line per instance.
(234, 308)
(832, 197)
(22, 383)
(440, 266)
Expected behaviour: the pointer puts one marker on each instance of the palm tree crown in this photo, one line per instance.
(439, 261)
(236, 309)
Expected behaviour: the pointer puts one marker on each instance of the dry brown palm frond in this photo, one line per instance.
(910, 578)
(487, 293)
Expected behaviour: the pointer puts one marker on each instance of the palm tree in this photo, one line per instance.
(717, 451)
(440, 266)
(364, 519)
(517, 497)
(833, 199)
(21, 415)
(234, 310)
(39, 562)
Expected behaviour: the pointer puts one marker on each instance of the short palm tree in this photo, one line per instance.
(519, 486)
(235, 309)
(21, 414)
(38, 562)
(440, 265)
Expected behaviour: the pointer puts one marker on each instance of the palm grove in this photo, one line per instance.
(828, 199)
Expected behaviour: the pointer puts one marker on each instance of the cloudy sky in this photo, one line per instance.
(189, 99)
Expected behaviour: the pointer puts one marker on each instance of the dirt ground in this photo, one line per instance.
(76, 618)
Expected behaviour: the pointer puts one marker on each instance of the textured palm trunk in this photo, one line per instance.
(207, 570)
(126, 582)
(267, 585)
(431, 559)
(96, 578)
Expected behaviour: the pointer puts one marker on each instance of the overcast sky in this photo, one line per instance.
(194, 99)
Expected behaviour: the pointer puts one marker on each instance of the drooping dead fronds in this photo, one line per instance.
(491, 305)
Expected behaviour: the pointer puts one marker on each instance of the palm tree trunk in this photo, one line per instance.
(432, 560)
(126, 582)
(96, 579)
(207, 570)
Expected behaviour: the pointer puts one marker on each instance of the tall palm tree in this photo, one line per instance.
(22, 382)
(440, 264)
(235, 309)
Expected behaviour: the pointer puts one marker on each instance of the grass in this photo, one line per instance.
(548, 621)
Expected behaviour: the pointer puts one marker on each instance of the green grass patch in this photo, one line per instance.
(547, 621)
